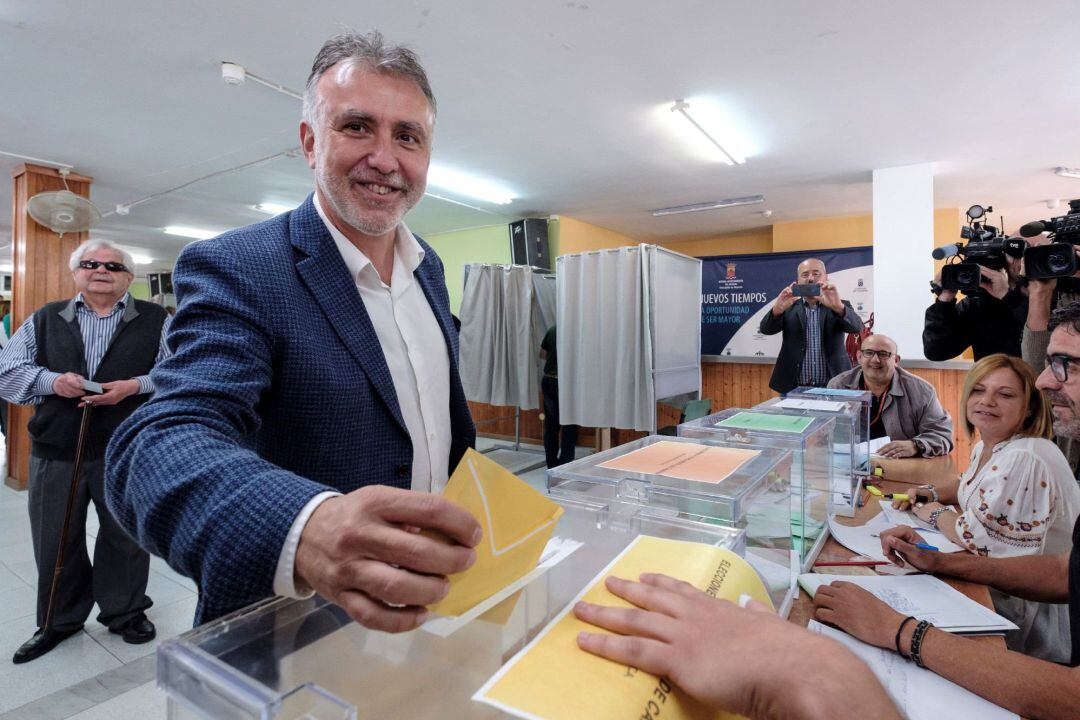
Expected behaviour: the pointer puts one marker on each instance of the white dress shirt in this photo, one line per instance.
(418, 359)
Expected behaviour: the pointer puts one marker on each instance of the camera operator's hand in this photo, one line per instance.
(995, 282)
(830, 298)
(783, 301)
(1040, 295)
(944, 295)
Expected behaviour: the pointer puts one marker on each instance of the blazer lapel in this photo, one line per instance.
(327, 279)
(439, 307)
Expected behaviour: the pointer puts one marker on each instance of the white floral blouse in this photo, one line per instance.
(1023, 502)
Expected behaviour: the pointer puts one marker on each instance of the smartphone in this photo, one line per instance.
(806, 289)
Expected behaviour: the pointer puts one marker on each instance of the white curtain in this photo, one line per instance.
(502, 325)
(605, 339)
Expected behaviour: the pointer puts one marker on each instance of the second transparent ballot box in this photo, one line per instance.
(849, 459)
(702, 480)
(865, 399)
(808, 439)
(289, 659)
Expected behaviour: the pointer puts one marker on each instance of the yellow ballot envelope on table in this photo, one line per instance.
(553, 678)
(517, 521)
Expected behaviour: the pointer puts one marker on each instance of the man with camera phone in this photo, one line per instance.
(813, 320)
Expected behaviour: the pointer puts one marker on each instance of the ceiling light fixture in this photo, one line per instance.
(699, 207)
(273, 208)
(456, 182)
(1067, 172)
(141, 259)
(190, 232)
(235, 74)
(701, 125)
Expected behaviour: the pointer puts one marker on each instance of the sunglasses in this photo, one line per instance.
(110, 266)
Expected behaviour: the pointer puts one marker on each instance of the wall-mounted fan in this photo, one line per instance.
(62, 211)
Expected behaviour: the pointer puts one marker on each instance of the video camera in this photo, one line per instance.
(1058, 258)
(986, 247)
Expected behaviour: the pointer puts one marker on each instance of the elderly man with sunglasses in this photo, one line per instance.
(905, 407)
(100, 337)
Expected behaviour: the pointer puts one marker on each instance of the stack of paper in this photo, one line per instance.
(923, 597)
(683, 461)
(918, 693)
(766, 421)
(803, 404)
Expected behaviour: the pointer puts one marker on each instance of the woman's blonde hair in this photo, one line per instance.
(1038, 421)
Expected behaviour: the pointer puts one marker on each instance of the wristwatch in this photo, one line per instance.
(934, 497)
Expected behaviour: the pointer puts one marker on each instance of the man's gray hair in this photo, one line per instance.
(369, 51)
(89, 245)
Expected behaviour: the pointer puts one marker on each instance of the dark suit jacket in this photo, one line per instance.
(278, 390)
(792, 323)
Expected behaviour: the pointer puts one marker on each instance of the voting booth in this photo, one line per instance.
(291, 659)
(850, 447)
(704, 481)
(809, 439)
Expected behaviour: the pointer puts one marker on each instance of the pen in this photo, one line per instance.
(925, 546)
(850, 563)
(873, 490)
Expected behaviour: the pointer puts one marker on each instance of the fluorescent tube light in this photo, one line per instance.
(705, 122)
(698, 207)
(142, 259)
(456, 182)
(273, 208)
(190, 232)
(1067, 172)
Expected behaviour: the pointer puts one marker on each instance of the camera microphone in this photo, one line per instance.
(1033, 229)
(946, 251)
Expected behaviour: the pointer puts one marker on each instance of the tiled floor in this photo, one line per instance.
(95, 675)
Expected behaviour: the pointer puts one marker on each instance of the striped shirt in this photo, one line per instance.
(24, 382)
(813, 370)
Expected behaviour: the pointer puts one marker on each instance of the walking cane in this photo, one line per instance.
(83, 426)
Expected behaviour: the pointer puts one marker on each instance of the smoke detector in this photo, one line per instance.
(233, 74)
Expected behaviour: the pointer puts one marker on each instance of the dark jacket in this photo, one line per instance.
(982, 322)
(792, 323)
(278, 391)
(132, 351)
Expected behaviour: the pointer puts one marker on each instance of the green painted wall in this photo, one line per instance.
(489, 244)
(140, 290)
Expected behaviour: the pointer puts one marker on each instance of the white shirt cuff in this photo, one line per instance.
(284, 577)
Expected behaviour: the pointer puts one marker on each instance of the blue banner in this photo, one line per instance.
(736, 291)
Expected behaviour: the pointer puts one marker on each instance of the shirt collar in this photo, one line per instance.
(121, 303)
(406, 248)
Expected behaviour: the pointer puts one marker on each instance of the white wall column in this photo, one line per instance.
(903, 241)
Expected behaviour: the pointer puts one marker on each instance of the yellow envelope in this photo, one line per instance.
(517, 520)
(553, 678)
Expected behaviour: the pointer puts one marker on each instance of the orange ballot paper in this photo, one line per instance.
(683, 461)
(552, 678)
(517, 521)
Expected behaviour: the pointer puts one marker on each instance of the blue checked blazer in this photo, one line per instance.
(277, 390)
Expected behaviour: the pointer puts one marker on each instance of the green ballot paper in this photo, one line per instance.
(767, 421)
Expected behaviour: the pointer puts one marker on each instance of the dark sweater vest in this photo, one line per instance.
(54, 428)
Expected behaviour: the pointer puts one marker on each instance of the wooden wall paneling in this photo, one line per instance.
(40, 275)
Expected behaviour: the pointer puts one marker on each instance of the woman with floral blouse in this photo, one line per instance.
(1018, 495)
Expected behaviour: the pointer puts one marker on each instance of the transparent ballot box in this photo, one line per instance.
(865, 398)
(809, 439)
(849, 451)
(679, 477)
(288, 659)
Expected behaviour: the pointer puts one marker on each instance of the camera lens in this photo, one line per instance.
(967, 277)
(1057, 262)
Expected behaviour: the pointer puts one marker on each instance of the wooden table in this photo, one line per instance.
(904, 473)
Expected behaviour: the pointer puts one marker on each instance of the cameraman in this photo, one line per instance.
(990, 320)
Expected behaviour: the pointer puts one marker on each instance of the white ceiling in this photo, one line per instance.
(563, 102)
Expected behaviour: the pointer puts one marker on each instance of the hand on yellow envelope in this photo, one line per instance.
(517, 522)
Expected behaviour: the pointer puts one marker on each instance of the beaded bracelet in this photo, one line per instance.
(900, 630)
(934, 515)
(917, 640)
